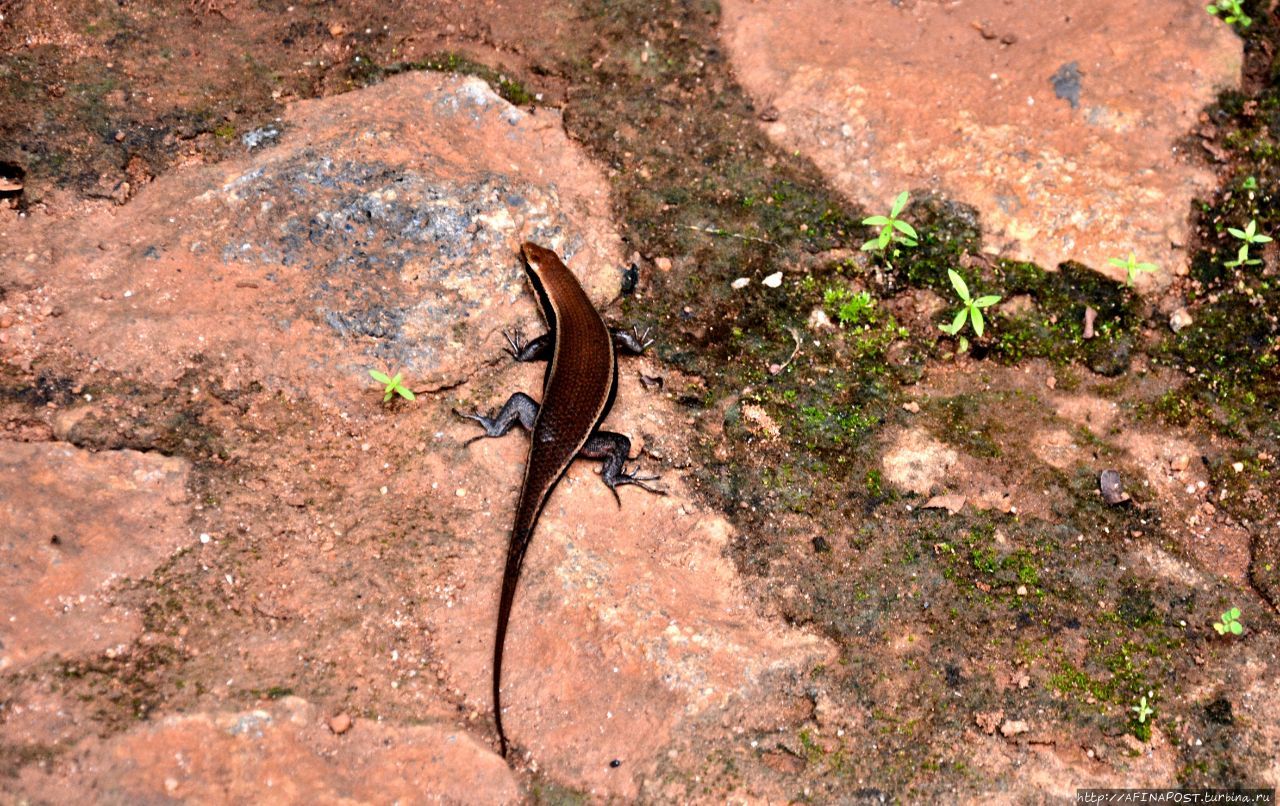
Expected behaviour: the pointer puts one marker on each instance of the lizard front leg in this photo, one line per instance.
(629, 341)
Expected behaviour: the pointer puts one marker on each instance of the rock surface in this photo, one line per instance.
(1059, 122)
(359, 239)
(72, 525)
(281, 754)
(353, 551)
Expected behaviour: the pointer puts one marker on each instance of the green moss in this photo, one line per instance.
(966, 422)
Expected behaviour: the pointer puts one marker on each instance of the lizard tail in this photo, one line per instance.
(515, 559)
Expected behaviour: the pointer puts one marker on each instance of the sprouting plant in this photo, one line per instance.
(392, 386)
(1132, 268)
(850, 307)
(1230, 623)
(1250, 237)
(1143, 709)
(1242, 258)
(972, 310)
(1231, 12)
(892, 228)
(1249, 183)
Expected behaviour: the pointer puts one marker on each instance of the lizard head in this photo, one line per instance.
(537, 257)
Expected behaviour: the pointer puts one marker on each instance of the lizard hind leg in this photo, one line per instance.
(519, 408)
(613, 449)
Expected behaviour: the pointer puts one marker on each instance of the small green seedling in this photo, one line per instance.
(1242, 258)
(972, 310)
(1143, 709)
(392, 386)
(1230, 623)
(1250, 237)
(850, 307)
(1231, 12)
(1132, 268)
(892, 229)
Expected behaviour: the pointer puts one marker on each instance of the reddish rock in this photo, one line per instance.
(630, 623)
(281, 754)
(358, 548)
(374, 224)
(72, 525)
(340, 724)
(1058, 121)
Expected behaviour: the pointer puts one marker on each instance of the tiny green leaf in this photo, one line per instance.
(957, 282)
(977, 321)
(986, 302)
(876, 221)
(898, 203)
(379, 376)
(1236, 629)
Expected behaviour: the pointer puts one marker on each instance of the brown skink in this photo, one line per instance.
(577, 392)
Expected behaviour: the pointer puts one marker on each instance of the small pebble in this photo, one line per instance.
(663, 263)
(1112, 490)
(340, 724)
(1179, 320)
(740, 283)
(1090, 316)
(773, 280)
(912, 407)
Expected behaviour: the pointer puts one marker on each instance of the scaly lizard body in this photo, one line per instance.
(577, 393)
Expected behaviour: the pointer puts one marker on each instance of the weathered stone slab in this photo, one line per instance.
(72, 523)
(1058, 121)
